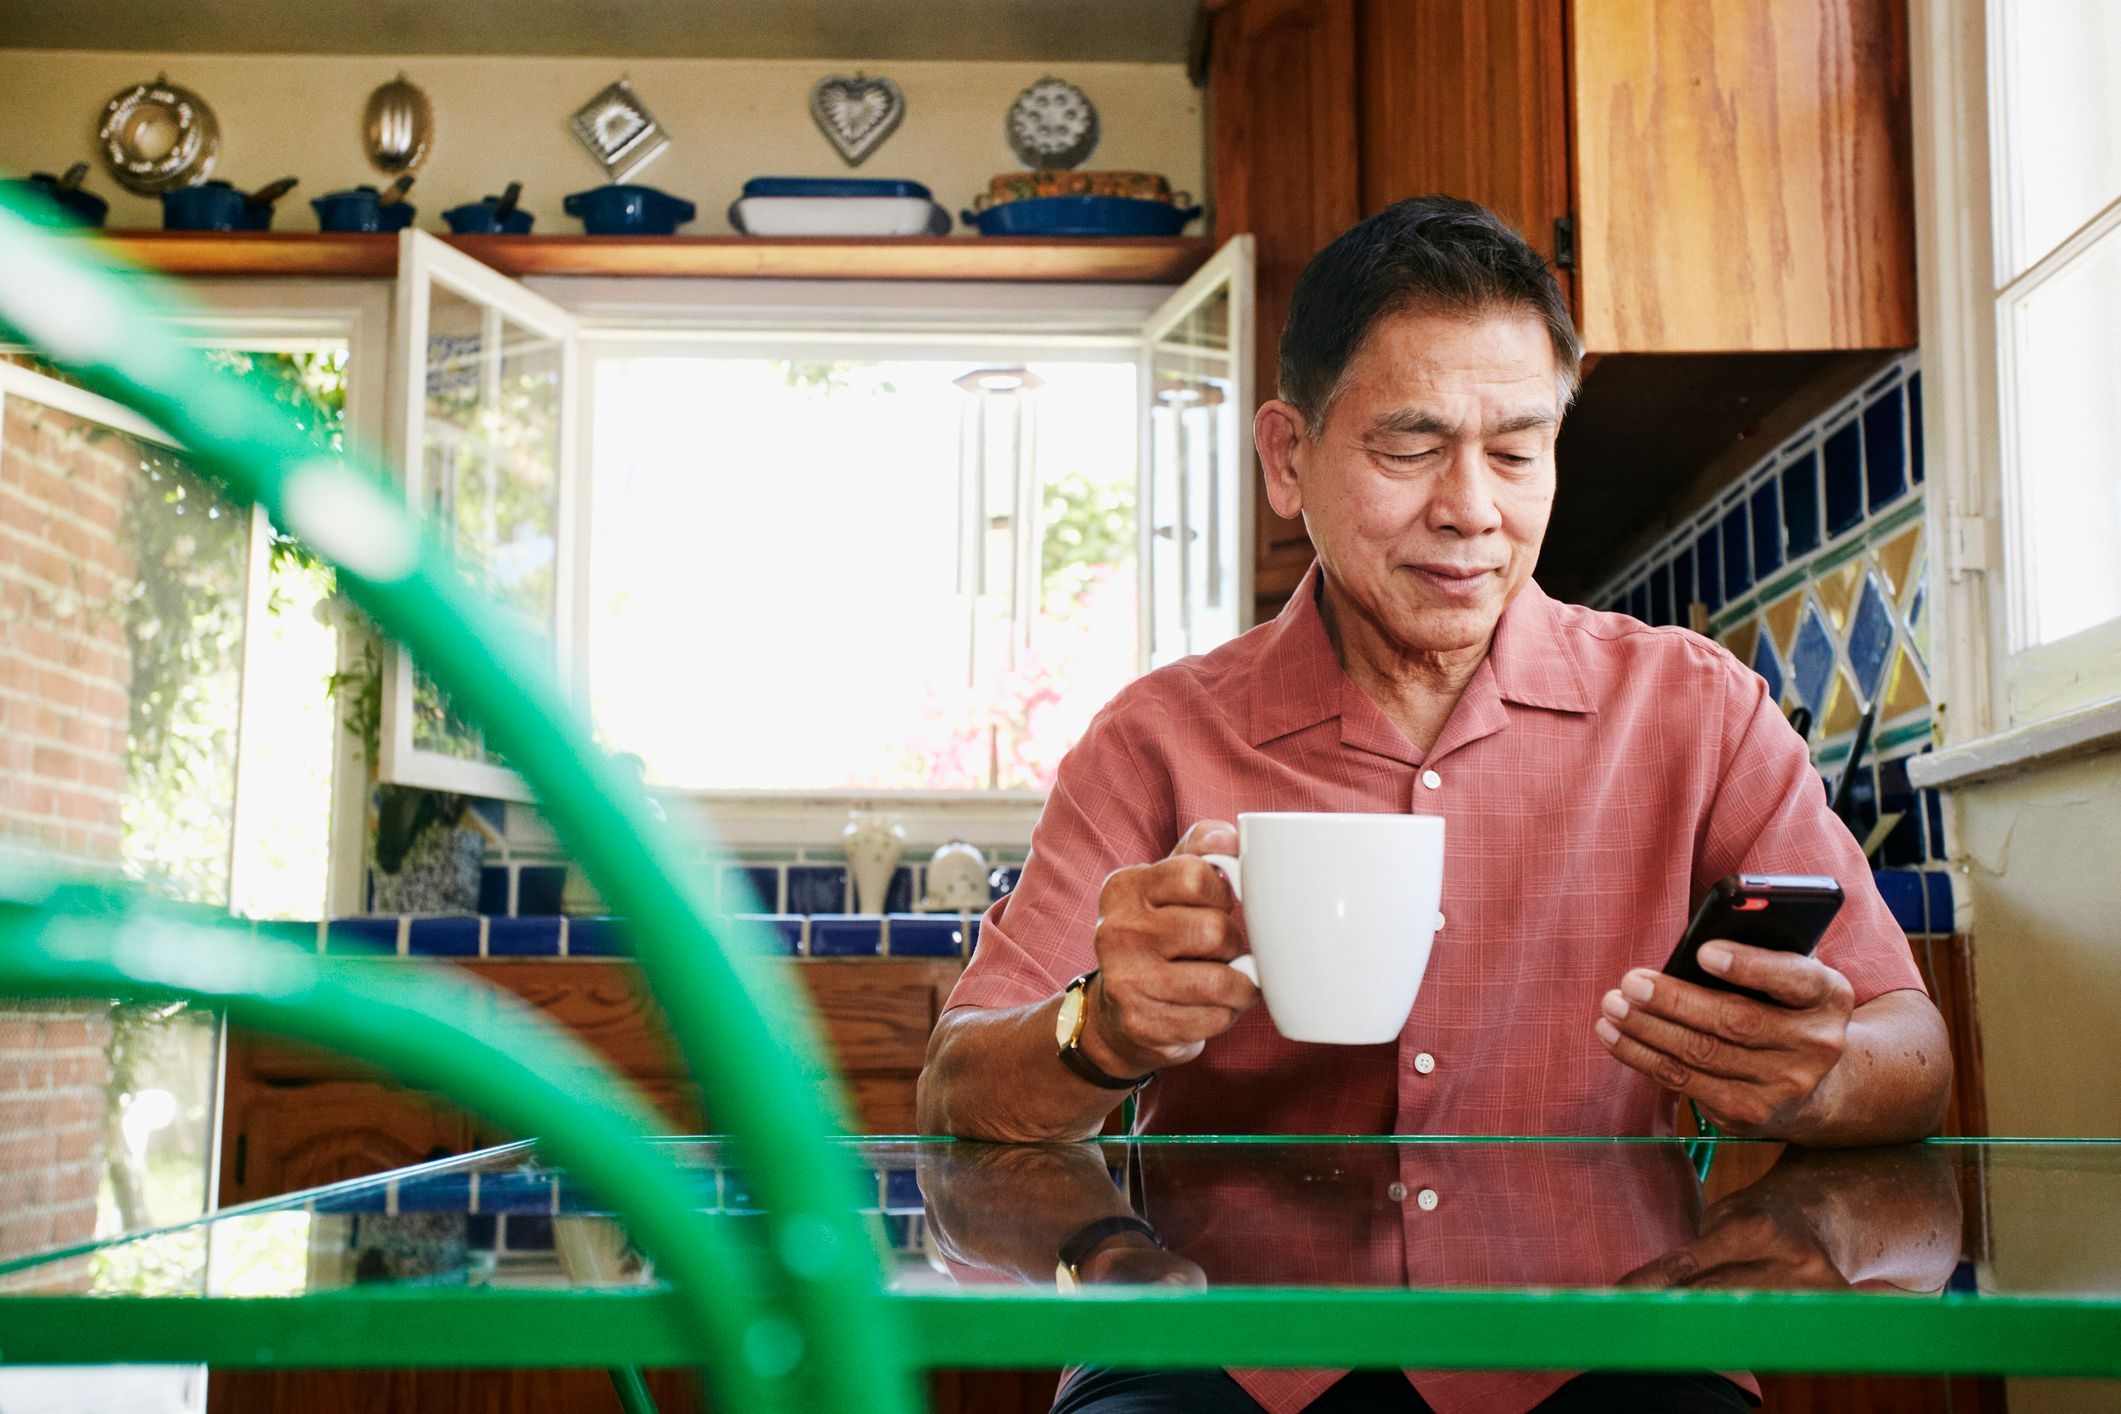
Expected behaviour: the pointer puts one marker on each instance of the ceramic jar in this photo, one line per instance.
(874, 842)
(957, 880)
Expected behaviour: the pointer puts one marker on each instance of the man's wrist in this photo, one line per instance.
(1093, 1041)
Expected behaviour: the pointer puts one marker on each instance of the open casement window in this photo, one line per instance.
(1198, 484)
(484, 411)
(2056, 192)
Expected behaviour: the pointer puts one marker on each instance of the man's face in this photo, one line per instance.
(1427, 491)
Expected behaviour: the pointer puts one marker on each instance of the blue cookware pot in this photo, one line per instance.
(490, 216)
(361, 209)
(75, 206)
(217, 206)
(1082, 216)
(628, 211)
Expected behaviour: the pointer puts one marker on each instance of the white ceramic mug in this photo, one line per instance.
(1341, 912)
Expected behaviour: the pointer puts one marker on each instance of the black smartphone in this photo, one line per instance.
(1785, 912)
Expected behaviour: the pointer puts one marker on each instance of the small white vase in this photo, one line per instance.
(874, 842)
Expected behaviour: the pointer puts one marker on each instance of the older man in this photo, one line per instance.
(1597, 776)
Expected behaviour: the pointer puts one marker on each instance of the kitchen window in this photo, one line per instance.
(852, 546)
(2055, 191)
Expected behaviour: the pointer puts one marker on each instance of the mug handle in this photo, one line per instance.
(1231, 870)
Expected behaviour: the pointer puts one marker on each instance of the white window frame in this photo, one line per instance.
(282, 316)
(2008, 704)
(423, 262)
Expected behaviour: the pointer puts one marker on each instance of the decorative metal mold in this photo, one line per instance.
(1052, 124)
(397, 127)
(158, 137)
(856, 114)
(619, 132)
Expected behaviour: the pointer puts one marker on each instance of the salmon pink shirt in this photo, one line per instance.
(1596, 777)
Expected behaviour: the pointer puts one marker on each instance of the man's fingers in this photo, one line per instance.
(1738, 1105)
(1204, 983)
(1208, 837)
(1790, 978)
(1187, 880)
(1739, 1020)
(1702, 1051)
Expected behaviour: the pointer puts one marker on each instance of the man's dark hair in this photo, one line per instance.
(1431, 253)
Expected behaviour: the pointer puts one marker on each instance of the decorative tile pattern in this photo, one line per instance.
(1810, 568)
(1811, 661)
(1870, 640)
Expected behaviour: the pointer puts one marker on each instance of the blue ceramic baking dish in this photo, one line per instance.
(1082, 216)
(622, 210)
(835, 186)
(360, 209)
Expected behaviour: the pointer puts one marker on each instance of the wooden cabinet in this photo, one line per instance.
(1470, 99)
(1282, 138)
(1730, 178)
(1744, 177)
(294, 1117)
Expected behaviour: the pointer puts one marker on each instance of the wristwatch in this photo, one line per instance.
(1068, 1031)
(1079, 1248)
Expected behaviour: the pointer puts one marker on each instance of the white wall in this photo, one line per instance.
(498, 119)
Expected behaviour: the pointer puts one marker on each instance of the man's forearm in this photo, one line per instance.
(995, 1073)
(1891, 1084)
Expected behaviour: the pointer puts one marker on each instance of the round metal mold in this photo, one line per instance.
(1052, 124)
(398, 126)
(158, 137)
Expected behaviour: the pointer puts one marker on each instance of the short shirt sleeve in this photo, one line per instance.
(1770, 816)
(1108, 808)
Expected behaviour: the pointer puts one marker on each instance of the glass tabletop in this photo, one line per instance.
(1947, 1227)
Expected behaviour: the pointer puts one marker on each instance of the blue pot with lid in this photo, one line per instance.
(491, 215)
(217, 206)
(623, 210)
(74, 207)
(361, 208)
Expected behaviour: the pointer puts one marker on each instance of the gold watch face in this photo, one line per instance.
(1070, 1016)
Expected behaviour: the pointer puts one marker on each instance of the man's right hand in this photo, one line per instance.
(1165, 937)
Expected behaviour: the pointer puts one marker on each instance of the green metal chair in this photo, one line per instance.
(804, 1323)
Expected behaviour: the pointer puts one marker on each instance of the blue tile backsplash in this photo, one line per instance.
(1810, 569)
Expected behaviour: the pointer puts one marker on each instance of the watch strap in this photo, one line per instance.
(1085, 1069)
(1071, 1052)
(1084, 1242)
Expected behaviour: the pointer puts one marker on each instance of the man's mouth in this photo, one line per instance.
(1455, 581)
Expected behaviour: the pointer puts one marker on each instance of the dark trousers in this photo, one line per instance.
(1092, 1391)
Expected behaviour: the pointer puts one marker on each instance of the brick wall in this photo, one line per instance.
(64, 666)
(65, 674)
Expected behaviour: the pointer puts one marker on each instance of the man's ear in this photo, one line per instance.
(1280, 438)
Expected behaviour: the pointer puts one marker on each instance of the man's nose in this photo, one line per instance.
(1464, 499)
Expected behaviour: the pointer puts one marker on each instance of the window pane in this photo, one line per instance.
(2066, 445)
(490, 462)
(868, 575)
(2062, 107)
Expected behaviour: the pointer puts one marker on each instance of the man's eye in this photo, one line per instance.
(1511, 458)
(1409, 457)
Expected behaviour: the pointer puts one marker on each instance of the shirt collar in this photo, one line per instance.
(1298, 681)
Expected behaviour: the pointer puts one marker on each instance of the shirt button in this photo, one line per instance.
(1426, 1200)
(1432, 780)
(1439, 922)
(1424, 1063)
(1397, 1192)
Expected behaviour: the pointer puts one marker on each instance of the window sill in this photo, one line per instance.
(739, 820)
(2088, 731)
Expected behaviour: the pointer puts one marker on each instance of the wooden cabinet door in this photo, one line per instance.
(1468, 99)
(1281, 101)
(281, 1137)
(1743, 175)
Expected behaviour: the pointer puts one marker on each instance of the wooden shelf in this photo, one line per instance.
(1145, 261)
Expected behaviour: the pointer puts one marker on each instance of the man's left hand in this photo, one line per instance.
(1751, 1066)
